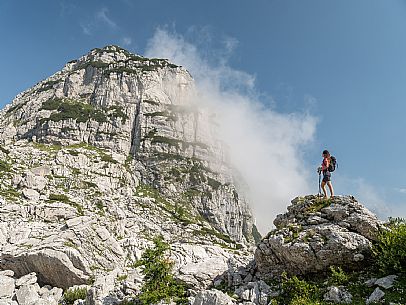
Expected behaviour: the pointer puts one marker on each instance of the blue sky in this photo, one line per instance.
(342, 61)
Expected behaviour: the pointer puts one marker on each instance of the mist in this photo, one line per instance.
(265, 146)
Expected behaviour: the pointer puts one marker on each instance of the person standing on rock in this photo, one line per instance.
(326, 174)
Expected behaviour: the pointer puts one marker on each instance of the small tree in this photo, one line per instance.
(159, 283)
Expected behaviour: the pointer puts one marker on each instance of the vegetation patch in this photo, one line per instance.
(338, 276)
(165, 140)
(16, 107)
(122, 278)
(318, 204)
(5, 166)
(213, 232)
(213, 183)
(47, 147)
(4, 150)
(72, 109)
(177, 210)
(117, 112)
(10, 194)
(151, 102)
(48, 85)
(59, 197)
(296, 291)
(390, 249)
(159, 282)
(65, 199)
(71, 295)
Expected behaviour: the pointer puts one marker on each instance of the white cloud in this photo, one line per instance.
(401, 190)
(99, 19)
(101, 15)
(264, 146)
(86, 29)
(126, 41)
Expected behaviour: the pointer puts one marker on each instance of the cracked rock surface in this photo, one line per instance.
(315, 234)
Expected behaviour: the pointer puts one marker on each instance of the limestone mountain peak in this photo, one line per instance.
(102, 156)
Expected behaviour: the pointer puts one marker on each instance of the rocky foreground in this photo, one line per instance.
(329, 243)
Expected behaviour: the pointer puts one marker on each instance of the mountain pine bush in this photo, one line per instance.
(159, 283)
(390, 249)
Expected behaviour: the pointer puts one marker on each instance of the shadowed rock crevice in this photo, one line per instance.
(52, 268)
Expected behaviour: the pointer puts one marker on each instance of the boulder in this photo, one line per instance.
(6, 286)
(386, 282)
(51, 266)
(338, 295)
(315, 234)
(256, 292)
(212, 297)
(31, 194)
(376, 296)
(27, 279)
(27, 294)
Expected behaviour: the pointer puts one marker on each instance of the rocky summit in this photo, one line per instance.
(317, 233)
(115, 189)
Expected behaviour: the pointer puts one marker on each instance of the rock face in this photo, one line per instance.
(138, 107)
(97, 160)
(315, 234)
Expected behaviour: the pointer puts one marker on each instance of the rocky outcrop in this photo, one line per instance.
(26, 291)
(315, 234)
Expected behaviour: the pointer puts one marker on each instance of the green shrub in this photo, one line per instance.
(59, 197)
(4, 166)
(108, 158)
(390, 249)
(73, 109)
(71, 295)
(296, 291)
(159, 283)
(213, 183)
(338, 276)
(4, 150)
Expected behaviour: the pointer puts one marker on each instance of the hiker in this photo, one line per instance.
(325, 169)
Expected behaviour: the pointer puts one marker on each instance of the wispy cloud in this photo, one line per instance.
(86, 29)
(100, 21)
(126, 41)
(101, 15)
(264, 146)
(66, 8)
(401, 190)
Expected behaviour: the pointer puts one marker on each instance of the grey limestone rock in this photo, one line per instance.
(212, 297)
(27, 295)
(386, 282)
(376, 296)
(7, 286)
(312, 236)
(255, 292)
(338, 295)
(27, 279)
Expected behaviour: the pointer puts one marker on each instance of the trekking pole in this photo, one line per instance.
(319, 183)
